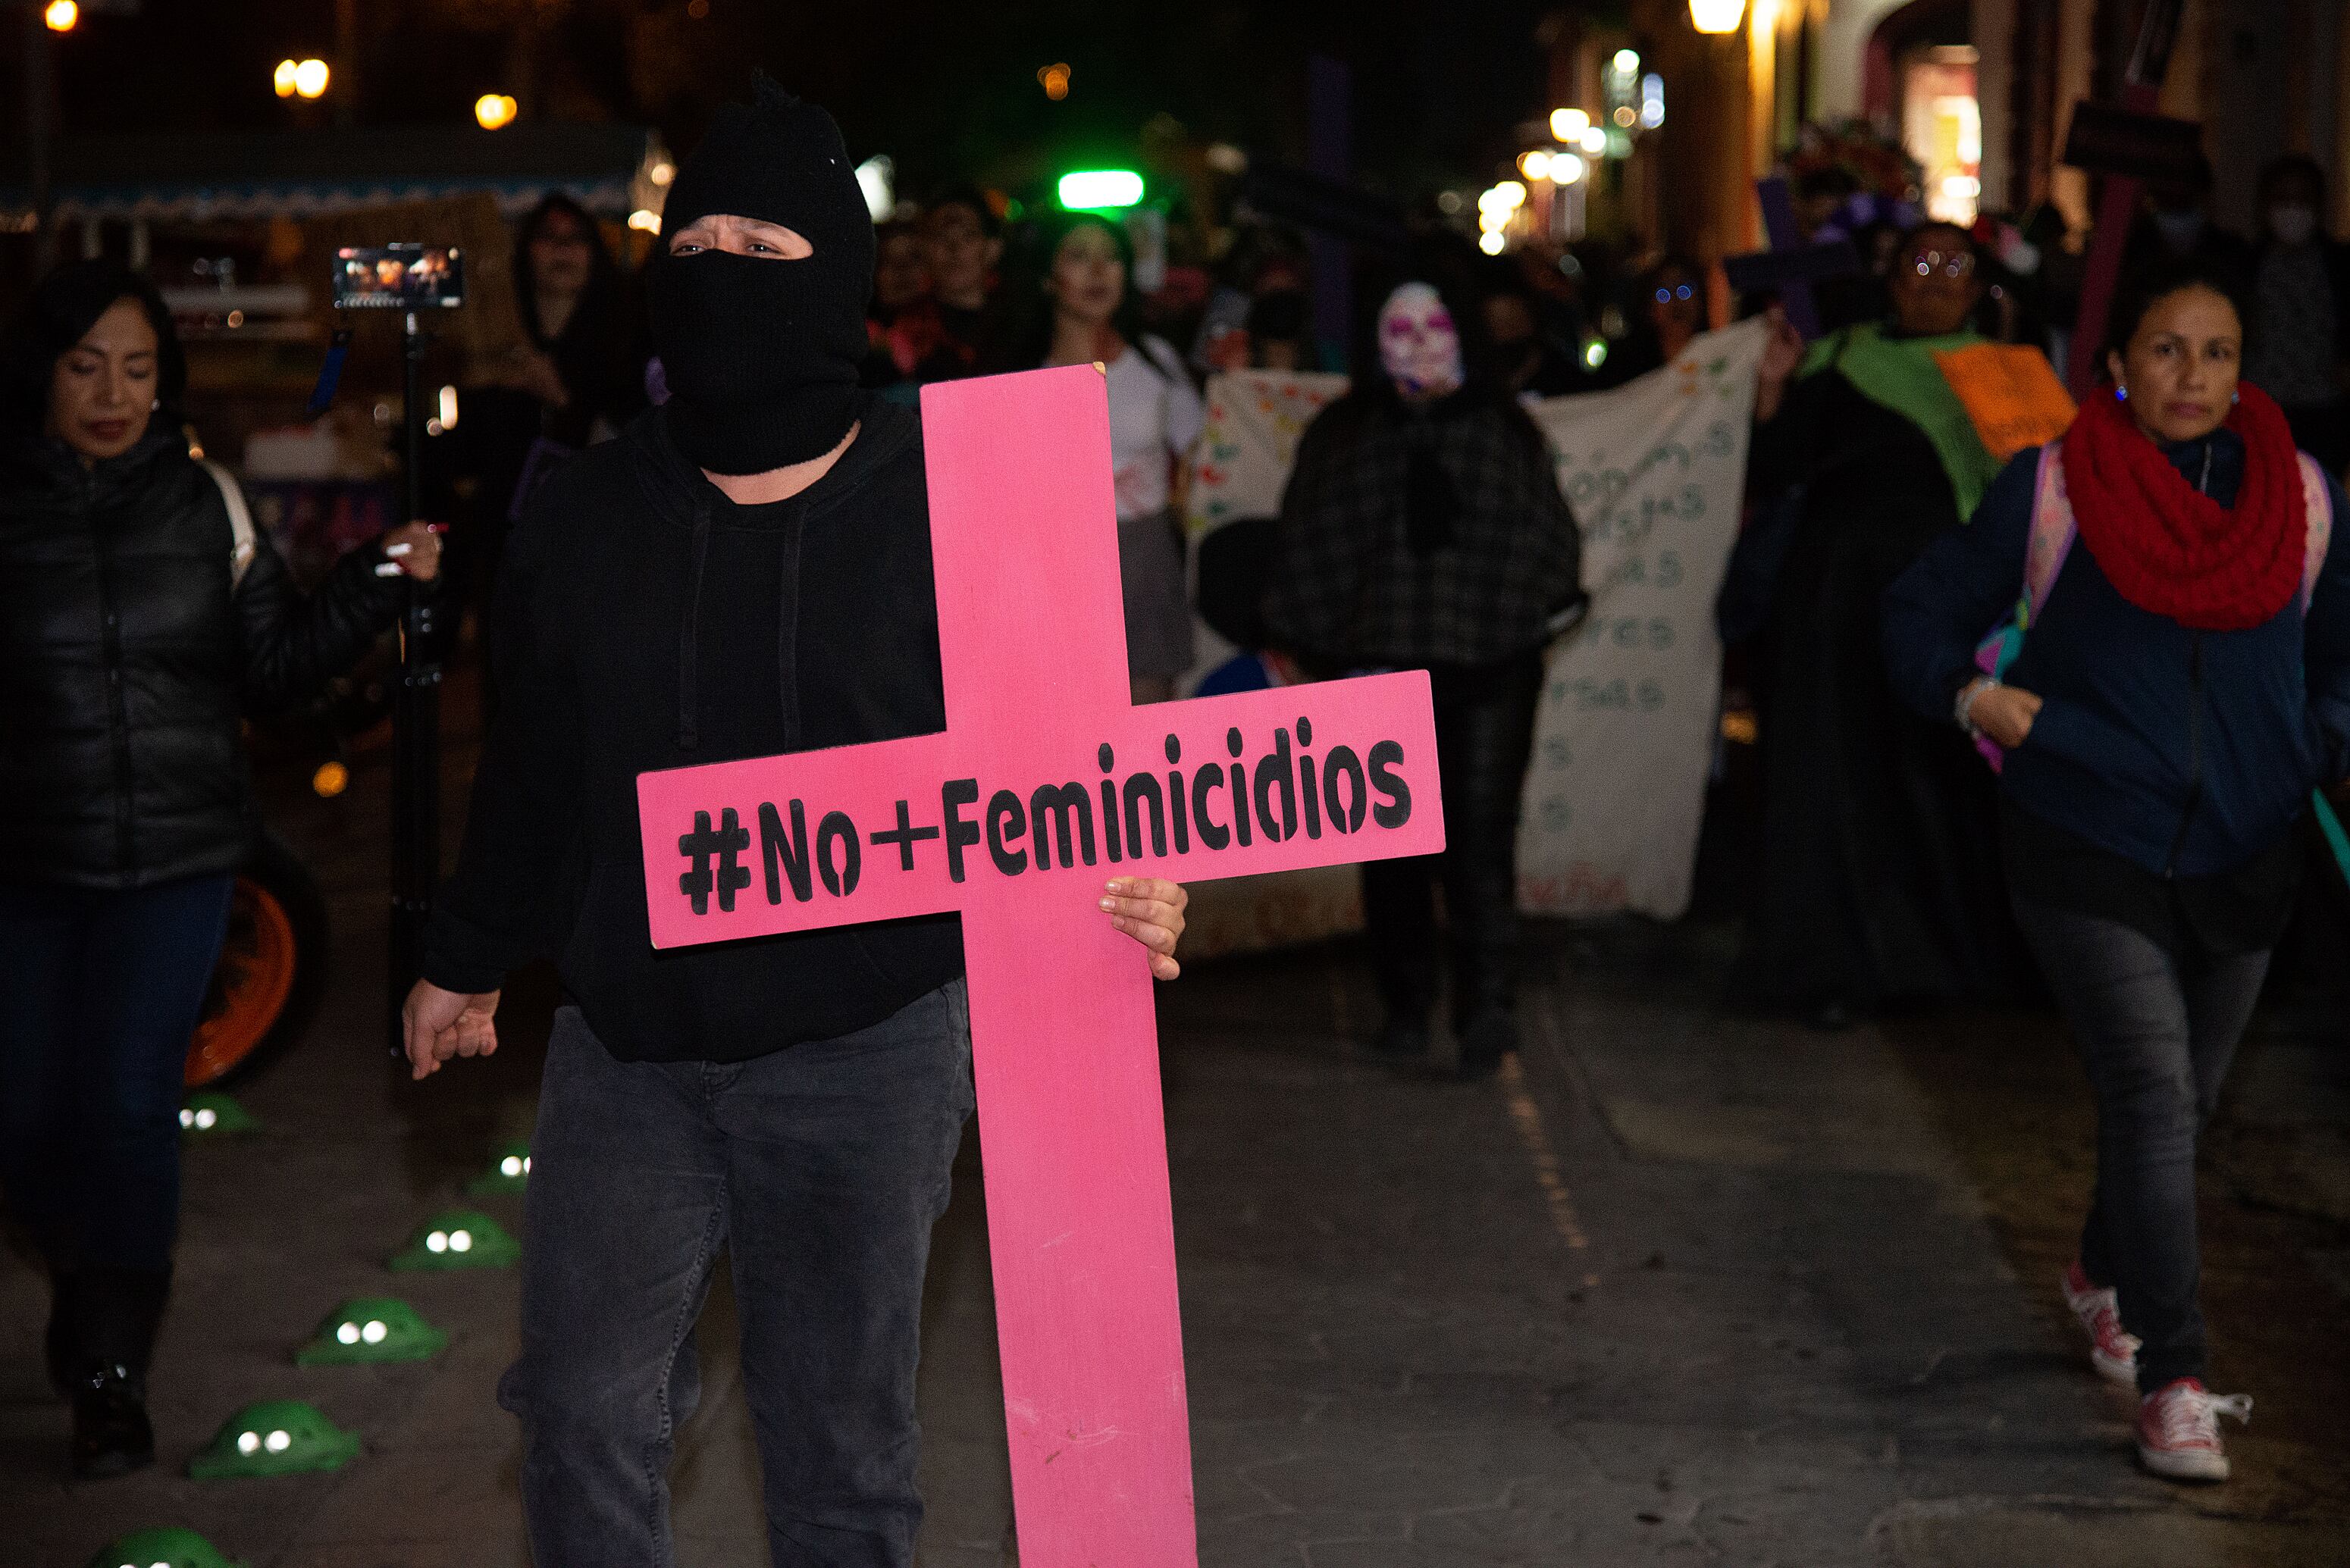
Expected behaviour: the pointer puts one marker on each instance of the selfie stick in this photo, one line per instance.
(415, 719)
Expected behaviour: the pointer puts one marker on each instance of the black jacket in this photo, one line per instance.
(127, 662)
(653, 623)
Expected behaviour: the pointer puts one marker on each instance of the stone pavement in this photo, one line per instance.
(1681, 1287)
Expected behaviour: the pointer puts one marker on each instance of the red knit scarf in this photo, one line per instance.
(2169, 548)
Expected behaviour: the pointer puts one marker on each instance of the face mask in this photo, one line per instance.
(762, 355)
(1419, 348)
(2180, 230)
(2292, 223)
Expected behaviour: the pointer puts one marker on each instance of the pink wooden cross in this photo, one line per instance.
(1045, 782)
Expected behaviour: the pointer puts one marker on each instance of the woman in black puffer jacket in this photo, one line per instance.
(135, 634)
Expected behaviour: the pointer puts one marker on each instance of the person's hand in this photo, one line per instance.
(415, 549)
(437, 1024)
(1781, 355)
(2004, 713)
(1151, 912)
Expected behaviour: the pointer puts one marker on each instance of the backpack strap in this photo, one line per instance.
(2053, 530)
(2317, 503)
(240, 521)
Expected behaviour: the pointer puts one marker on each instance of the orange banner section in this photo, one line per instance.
(2011, 393)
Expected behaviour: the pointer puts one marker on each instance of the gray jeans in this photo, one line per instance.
(2156, 1033)
(820, 1168)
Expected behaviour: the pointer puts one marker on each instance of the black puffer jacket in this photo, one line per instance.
(127, 662)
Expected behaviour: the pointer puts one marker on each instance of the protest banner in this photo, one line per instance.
(1254, 420)
(1655, 472)
(995, 817)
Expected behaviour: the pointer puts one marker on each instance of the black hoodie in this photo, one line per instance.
(660, 625)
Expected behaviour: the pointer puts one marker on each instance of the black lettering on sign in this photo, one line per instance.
(1275, 771)
(1175, 797)
(1240, 789)
(1305, 795)
(1346, 807)
(785, 856)
(836, 829)
(1141, 787)
(1059, 802)
(1007, 823)
(905, 836)
(727, 844)
(953, 795)
(1109, 805)
(1210, 776)
(1398, 809)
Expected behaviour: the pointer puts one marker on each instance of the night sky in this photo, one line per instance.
(945, 89)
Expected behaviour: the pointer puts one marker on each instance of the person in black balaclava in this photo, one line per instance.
(745, 571)
(764, 375)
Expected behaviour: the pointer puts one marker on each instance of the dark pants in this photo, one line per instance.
(820, 1168)
(99, 992)
(2157, 1032)
(1485, 734)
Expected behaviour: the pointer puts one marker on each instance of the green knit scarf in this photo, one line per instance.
(1900, 374)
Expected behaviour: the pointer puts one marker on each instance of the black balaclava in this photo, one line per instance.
(762, 355)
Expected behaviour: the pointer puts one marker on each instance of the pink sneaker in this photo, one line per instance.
(2112, 1349)
(2178, 1431)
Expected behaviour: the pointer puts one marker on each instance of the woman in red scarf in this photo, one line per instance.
(2184, 683)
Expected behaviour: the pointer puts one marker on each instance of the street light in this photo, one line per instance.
(493, 109)
(304, 79)
(1535, 165)
(1716, 15)
(61, 15)
(1569, 124)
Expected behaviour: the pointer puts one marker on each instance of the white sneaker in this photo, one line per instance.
(2178, 1431)
(2113, 1350)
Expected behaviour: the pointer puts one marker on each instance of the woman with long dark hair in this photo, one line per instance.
(1155, 418)
(141, 618)
(2181, 585)
(577, 377)
(1422, 528)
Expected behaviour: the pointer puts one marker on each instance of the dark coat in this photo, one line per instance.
(126, 663)
(646, 622)
(1421, 537)
(2186, 752)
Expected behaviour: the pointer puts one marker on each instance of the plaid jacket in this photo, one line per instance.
(1357, 580)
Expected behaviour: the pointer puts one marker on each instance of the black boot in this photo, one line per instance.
(117, 1312)
(111, 1434)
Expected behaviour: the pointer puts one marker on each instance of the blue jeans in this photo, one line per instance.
(820, 1168)
(2157, 1032)
(99, 992)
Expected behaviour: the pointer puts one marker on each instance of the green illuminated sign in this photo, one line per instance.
(1091, 189)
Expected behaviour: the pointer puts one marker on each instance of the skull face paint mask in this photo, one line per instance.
(1420, 348)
